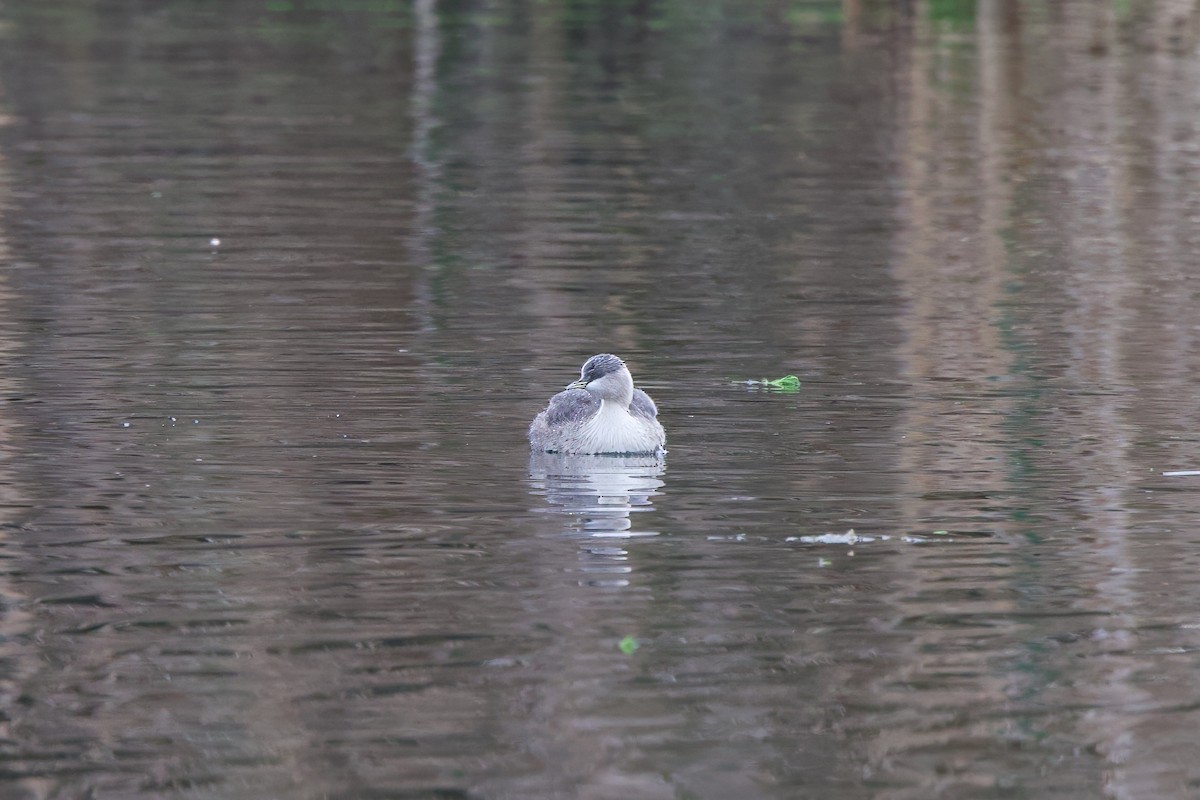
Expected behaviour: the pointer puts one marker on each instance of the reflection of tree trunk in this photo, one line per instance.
(851, 23)
(540, 171)
(1098, 282)
(1163, 102)
(915, 255)
(997, 34)
(952, 261)
(547, 227)
(951, 266)
(428, 48)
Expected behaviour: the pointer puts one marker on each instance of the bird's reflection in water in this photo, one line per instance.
(599, 495)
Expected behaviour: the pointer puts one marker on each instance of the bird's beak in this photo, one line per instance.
(579, 384)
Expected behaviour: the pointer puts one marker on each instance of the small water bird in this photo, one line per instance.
(601, 413)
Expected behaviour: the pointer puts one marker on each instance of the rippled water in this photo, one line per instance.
(282, 283)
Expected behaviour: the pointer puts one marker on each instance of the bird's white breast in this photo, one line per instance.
(614, 430)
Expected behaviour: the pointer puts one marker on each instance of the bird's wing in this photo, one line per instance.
(572, 405)
(642, 405)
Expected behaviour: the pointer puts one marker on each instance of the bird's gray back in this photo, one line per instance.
(642, 405)
(570, 407)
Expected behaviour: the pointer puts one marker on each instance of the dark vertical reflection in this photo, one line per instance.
(423, 236)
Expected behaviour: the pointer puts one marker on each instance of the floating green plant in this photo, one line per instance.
(628, 645)
(788, 383)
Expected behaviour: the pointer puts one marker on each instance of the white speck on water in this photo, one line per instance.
(125, 424)
(214, 242)
(504, 662)
(156, 195)
(195, 422)
(850, 537)
(171, 418)
(199, 459)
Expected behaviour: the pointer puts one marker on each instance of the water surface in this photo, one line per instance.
(281, 285)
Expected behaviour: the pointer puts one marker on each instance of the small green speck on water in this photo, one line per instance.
(941, 533)
(628, 645)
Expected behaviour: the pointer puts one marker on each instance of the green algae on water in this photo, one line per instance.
(788, 383)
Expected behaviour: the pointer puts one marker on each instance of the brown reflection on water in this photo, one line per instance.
(1041, 260)
(1132, 362)
(954, 462)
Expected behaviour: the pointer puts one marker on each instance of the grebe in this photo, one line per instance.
(601, 413)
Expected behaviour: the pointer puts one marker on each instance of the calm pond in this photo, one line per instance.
(282, 284)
